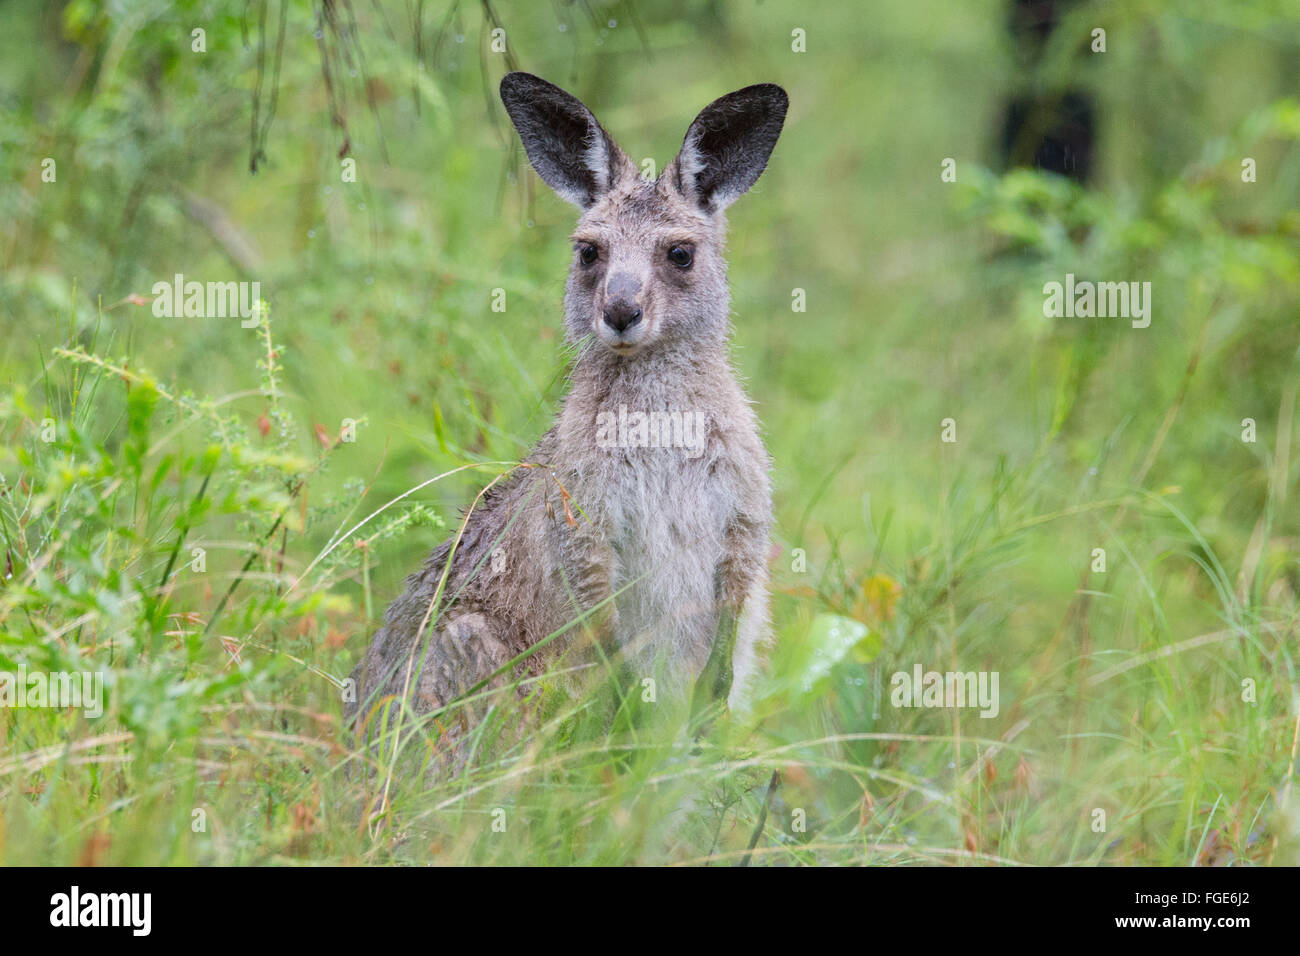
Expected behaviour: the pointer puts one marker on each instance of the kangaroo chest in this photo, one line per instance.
(664, 514)
(658, 466)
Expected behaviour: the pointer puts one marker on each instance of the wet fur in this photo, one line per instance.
(685, 534)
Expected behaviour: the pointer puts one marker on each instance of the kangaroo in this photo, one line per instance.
(644, 513)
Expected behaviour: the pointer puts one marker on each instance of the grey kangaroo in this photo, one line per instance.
(640, 521)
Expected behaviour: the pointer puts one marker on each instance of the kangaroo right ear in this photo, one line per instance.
(728, 145)
(565, 144)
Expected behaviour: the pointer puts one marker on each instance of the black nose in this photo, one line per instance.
(620, 315)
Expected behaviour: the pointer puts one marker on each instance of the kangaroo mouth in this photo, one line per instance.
(621, 343)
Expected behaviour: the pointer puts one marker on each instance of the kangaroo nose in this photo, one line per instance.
(622, 309)
(622, 314)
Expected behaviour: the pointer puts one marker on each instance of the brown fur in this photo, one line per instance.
(680, 533)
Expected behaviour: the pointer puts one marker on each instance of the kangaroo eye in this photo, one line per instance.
(681, 257)
(587, 254)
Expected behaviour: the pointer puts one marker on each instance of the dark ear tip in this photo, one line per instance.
(776, 96)
(517, 83)
(512, 82)
(760, 98)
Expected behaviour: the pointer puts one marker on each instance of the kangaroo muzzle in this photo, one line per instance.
(622, 302)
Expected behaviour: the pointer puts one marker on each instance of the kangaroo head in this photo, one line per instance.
(647, 261)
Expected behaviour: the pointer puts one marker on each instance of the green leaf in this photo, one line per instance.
(831, 639)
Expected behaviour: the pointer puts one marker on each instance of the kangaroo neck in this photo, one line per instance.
(660, 376)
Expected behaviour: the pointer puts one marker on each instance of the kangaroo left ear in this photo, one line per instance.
(727, 147)
(565, 144)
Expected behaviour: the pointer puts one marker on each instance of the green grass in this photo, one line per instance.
(1162, 690)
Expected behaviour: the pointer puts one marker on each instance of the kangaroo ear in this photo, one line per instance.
(565, 144)
(727, 147)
